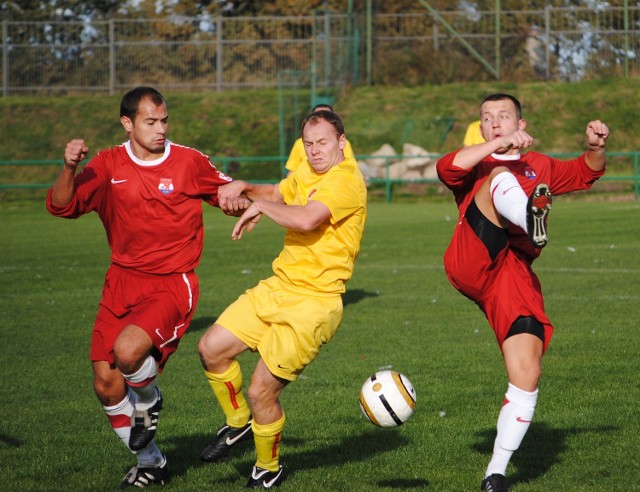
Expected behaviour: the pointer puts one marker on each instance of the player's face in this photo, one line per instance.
(148, 131)
(323, 145)
(499, 118)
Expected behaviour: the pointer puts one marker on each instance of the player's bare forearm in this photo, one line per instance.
(597, 135)
(269, 192)
(248, 191)
(295, 217)
(471, 156)
(64, 187)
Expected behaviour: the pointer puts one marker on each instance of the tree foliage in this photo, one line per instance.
(100, 9)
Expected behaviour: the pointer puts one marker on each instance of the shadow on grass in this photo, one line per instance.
(356, 295)
(540, 450)
(7, 441)
(201, 324)
(404, 484)
(184, 451)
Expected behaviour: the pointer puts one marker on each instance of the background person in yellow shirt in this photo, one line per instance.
(290, 315)
(298, 155)
(473, 136)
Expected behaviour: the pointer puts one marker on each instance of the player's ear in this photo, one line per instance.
(522, 124)
(126, 123)
(342, 141)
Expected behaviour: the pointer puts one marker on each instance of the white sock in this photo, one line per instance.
(120, 419)
(150, 456)
(143, 384)
(513, 422)
(509, 199)
(119, 416)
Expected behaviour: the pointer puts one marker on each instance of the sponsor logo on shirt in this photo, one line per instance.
(166, 185)
(530, 173)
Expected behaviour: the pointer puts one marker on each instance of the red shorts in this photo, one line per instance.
(162, 305)
(505, 288)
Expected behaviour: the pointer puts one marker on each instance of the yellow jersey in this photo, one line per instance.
(322, 260)
(473, 135)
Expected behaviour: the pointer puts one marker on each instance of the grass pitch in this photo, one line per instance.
(400, 313)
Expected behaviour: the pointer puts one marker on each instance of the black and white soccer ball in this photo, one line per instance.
(387, 399)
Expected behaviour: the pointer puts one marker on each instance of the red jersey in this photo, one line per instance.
(529, 169)
(151, 210)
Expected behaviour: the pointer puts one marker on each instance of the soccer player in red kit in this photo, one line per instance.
(503, 198)
(148, 193)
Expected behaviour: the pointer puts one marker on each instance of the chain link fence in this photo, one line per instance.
(223, 53)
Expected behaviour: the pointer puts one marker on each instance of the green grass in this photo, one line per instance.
(245, 123)
(400, 313)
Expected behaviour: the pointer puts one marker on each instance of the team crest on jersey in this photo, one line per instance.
(166, 185)
(530, 173)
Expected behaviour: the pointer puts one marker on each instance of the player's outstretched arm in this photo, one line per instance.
(597, 135)
(74, 153)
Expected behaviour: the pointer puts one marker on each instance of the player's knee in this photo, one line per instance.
(211, 350)
(128, 358)
(131, 349)
(206, 350)
(259, 395)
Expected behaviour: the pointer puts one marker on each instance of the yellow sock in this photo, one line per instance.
(228, 390)
(267, 439)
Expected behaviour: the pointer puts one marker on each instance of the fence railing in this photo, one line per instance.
(231, 53)
(270, 169)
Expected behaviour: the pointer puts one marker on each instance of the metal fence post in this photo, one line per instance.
(626, 38)
(5, 59)
(636, 177)
(369, 37)
(327, 50)
(498, 36)
(112, 58)
(547, 44)
(219, 53)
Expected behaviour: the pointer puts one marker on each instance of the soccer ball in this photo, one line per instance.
(387, 399)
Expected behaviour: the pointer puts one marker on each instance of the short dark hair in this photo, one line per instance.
(318, 106)
(131, 100)
(501, 96)
(329, 116)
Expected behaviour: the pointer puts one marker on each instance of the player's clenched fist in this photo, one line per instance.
(75, 152)
(597, 133)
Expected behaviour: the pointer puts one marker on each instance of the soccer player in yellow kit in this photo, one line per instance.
(290, 315)
(473, 136)
(298, 155)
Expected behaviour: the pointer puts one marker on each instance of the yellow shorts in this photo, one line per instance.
(286, 325)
